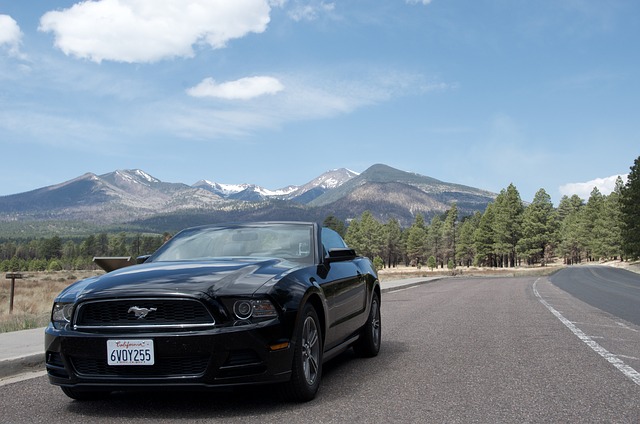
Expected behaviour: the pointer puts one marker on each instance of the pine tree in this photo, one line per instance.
(435, 240)
(465, 249)
(416, 235)
(570, 213)
(484, 238)
(539, 229)
(594, 228)
(508, 225)
(393, 242)
(630, 212)
(450, 234)
(335, 224)
(366, 236)
(612, 242)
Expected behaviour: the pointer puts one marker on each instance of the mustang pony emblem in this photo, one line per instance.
(141, 313)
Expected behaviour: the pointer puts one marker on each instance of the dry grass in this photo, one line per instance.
(33, 298)
(413, 272)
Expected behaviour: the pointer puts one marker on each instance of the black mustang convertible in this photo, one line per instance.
(217, 306)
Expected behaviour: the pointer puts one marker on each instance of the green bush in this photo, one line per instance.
(378, 263)
(54, 265)
(431, 263)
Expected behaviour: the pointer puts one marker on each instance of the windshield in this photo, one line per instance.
(286, 241)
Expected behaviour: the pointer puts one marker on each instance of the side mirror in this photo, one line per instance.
(341, 254)
(142, 259)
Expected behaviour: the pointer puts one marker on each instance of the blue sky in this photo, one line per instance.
(541, 94)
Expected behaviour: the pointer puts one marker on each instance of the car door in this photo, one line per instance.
(345, 291)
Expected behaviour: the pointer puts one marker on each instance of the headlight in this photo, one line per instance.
(62, 313)
(257, 309)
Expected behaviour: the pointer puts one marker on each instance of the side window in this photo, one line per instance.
(331, 240)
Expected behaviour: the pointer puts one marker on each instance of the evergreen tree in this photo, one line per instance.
(435, 240)
(366, 236)
(465, 249)
(630, 212)
(508, 225)
(335, 224)
(484, 238)
(571, 247)
(89, 246)
(450, 234)
(594, 229)
(431, 262)
(539, 229)
(102, 245)
(51, 248)
(118, 245)
(416, 235)
(393, 242)
(612, 242)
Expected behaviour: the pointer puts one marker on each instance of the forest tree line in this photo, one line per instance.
(508, 233)
(55, 254)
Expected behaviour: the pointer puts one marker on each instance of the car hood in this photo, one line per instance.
(214, 278)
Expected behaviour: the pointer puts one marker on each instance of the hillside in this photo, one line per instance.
(135, 199)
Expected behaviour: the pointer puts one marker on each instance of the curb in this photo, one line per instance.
(406, 286)
(18, 365)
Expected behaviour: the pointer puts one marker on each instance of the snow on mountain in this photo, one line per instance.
(251, 192)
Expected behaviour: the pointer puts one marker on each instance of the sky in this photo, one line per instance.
(538, 94)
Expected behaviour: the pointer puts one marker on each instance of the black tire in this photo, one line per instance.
(79, 394)
(368, 344)
(306, 371)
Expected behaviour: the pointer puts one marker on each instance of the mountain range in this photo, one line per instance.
(139, 200)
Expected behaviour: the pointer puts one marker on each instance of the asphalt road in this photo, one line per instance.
(456, 350)
(613, 290)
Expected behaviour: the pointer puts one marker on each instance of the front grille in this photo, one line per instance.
(163, 367)
(160, 313)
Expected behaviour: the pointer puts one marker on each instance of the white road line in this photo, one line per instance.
(625, 326)
(611, 358)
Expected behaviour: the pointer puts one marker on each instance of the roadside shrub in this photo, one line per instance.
(54, 265)
(431, 263)
(378, 263)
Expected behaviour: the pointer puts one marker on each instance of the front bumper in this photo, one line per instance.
(218, 357)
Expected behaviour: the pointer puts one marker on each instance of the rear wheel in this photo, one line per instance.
(368, 345)
(307, 358)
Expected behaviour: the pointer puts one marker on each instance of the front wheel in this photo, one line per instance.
(307, 358)
(368, 345)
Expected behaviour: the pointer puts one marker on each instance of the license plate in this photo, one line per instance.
(130, 352)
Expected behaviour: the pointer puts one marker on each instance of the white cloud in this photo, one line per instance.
(309, 11)
(583, 190)
(242, 89)
(425, 2)
(10, 34)
(309, 95)
(140, 31)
